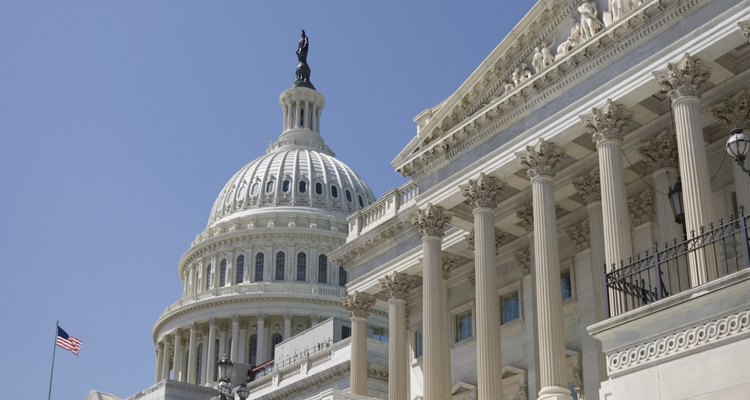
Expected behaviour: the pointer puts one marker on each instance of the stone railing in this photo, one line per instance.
(333, 293)
(385, 208)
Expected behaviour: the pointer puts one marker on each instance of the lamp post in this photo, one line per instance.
(226, 367)
(737, 147)
(675, 199)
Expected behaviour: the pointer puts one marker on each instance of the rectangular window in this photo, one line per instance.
(566, 284)
(463, 326)
(418, 344)
(510, 307)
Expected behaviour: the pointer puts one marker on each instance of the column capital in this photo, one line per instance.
(661, 151)
(733, 112)
(450, 262)
(541, 159)
(745, 29)
(472, 277)
(588, 186)
(641, 208)
(523, 257)
(358, 304)
(525, 212)
(485, 191)
(607, 122)
(579, 233)
(260, 316)
(397, 285)
(431, 220)
(683, 78)
(500, 239)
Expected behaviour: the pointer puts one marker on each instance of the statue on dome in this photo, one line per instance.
(302, 72)
(302, 48)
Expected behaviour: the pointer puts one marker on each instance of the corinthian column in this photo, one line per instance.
(483, 195)
(178, 356)
(233, 354)
(734, 113)
(540, 162)
(167, 351)
(397, 287)
(159, 361)
(683, 82)
(192, 355)
(430, 222)
(210, 362)
(358, 304)
(450, 262)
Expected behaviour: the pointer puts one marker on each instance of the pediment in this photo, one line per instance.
(461, 387)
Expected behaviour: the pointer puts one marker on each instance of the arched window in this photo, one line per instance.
(342, 276)
(269, 187)
(301, 267)
(334, 192)
(285, 185)
(199, 367)
(322, 269)
(240, 269)
(223, 272)
(302, 186)
(280, 261)
(318, 188)
(207, 279)
(259, 267)
(253, 354)
(275, 339)
(361, 202)
(254, 189)
(348, 195)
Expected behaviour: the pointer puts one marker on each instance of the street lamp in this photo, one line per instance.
(225, 377)
(675, 199)
(737, 146)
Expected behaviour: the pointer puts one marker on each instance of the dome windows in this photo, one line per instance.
(361, 202)
(285, 185)
(269, 186)
(301, 267)
(223, 272)
(254, 189)
(322, 269)
(318, 188)
(302, 186)
(280, 263)
(259, 267)
(334, 192)
(348, 195)
(240, 269)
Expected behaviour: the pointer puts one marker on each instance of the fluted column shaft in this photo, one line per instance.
(261, 340)
(192, 355)
(178, 357)
(596, 246)
(742, 187)
(167, 352)
(433, 316)
(397, 350)
(358, 305)
(489, 384)
(159, 361)
(618, 243)
(287, 326)
(210, 355)
(233, 353)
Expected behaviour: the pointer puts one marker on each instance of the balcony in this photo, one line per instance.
(382, 210)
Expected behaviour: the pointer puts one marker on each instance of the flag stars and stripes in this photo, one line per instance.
(68, 342)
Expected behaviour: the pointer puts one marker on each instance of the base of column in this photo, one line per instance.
(554, 393)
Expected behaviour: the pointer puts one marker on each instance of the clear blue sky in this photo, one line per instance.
(120, 121)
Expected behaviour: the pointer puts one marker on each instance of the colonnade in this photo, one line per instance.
(302, 114)
(604, 193)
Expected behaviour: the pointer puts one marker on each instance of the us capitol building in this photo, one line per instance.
(571, 228)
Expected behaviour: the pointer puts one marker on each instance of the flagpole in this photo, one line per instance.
(54, 348)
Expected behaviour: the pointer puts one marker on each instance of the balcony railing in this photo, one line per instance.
(382, 210)
(657, 274)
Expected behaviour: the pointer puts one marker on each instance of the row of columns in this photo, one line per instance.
(302, 114)
(170, 348)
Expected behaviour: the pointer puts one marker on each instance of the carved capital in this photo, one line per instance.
(684, 78)
(589, 186)
(541, 160)
(358, 304)
(500, 239)
(431, 220)
(641, 208)
(484, 191)
(745, 29)
(397, 285)
(450, 262)
(579, 233)
(660, 151)
(523, 257)
(525, 212)
(607, 122)
(472, 277)
(733, 112)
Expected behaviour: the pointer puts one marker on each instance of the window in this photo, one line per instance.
(348, 195)
(418, 344)
(199, 367)
(342, 276)
(301, 267)
(510, 308)
(345, 332)
(269, 187)
(318, 188)
(334, 192)
(240, 270)
(209, 270)
(301, 117)
(302, 186)
(216, 361)
(259, 267)
(361, 202)
(566, 284)
(463, 326)
(285, 185)
(253, 354)
(223, 272)
(322, 269)
(280, 261)
(275, 339)
(254, 189)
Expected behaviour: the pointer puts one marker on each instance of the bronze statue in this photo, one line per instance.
(302, 72)
(302, 48)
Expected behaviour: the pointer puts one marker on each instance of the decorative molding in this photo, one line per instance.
(680, 342)
(450, 262)
(607, 122)
(358, 304)
(397, 285)
(485, 191)
(431, 220)
(588, 186)
(661, 151)
(733, 112)
(579, 233)
(745, 29)
(542, 159)
(523, 257)
(686, 77)
(525, 213)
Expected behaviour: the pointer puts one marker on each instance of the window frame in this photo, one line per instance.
(458, 312)
(506, 291)
(239, 269)
(301, 267)
(260, 261)
(323, 267)
(279, 266)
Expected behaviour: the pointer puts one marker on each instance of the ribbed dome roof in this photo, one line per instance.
(292, 176)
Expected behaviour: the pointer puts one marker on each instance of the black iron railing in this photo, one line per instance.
(723, 249)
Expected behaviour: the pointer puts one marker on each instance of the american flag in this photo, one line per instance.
(68, 342)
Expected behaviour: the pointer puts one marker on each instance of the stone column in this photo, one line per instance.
(167, 352)
(430, 222)
(683, 82)
(397, 287)
(233, 353)
(287, 326)
(210, 362)
(450, 262)
(540, 162)
(734, 113)
(192, 355)
(177, 373)
(159, 361)
(483, 195)
(358, 304)
(262, 355)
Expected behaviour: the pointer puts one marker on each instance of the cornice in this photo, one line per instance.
(374, 242)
